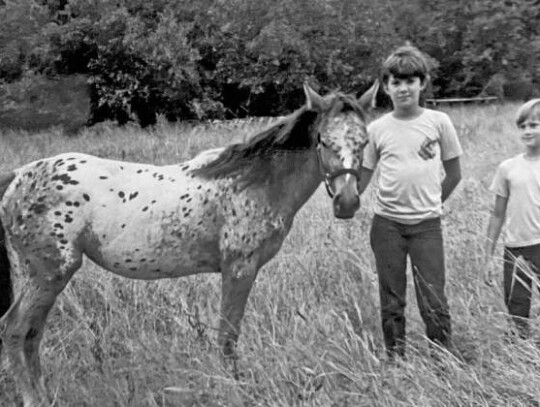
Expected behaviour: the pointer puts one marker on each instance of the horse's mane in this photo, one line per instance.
(250, 162)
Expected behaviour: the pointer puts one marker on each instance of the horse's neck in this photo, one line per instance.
(295, 178)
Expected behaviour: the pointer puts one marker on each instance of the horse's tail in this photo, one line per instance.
(6, 287)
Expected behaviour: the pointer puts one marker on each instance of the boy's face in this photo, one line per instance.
(404, 92)
(530, 133)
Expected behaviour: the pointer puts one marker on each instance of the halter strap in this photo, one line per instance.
(330, 176)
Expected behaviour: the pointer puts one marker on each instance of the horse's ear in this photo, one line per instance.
(369, 98)
(314, 101)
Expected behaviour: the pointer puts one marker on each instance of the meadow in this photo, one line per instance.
(311, 334)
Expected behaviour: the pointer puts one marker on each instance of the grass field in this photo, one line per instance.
(311, 334)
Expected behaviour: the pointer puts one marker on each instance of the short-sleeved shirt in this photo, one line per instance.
(518, 179)
(409, 186)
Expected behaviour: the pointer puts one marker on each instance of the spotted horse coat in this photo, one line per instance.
(227, 210)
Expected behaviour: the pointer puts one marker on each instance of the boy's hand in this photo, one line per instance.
(489, 265)
(427, 150)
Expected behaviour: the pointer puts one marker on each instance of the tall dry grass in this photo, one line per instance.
(311, 334)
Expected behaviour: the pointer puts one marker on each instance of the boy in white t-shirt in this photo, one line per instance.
(411, 146)
(517, 200)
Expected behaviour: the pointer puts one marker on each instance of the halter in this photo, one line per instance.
(330, 176)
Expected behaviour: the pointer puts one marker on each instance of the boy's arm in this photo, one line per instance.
(363, 182)
(452, 169)
(496, 221)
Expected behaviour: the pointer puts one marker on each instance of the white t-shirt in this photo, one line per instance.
(518, 179)
(409, 186)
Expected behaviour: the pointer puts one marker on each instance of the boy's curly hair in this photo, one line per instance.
(528, 111)
(405, 62)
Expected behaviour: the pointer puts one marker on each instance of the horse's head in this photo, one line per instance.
(341, 137)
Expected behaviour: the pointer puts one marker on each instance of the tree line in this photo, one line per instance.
(235, 58)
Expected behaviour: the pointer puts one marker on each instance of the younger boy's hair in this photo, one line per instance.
(405, 62)
(528, 111)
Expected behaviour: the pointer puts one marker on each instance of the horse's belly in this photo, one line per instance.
(147, 255)
(142, 263)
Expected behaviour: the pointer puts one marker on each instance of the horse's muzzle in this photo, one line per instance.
(345, 206)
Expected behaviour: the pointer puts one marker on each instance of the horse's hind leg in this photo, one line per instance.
(25, 322)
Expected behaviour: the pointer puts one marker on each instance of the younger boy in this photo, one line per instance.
(517, 200)
(409, 145)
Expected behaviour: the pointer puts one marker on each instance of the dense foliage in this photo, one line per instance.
(232, 58)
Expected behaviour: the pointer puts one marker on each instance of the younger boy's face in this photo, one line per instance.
(404, 92)
(530, 134)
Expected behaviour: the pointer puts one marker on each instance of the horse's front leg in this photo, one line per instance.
(238, 275)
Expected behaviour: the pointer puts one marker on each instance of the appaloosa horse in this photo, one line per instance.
(227, 211)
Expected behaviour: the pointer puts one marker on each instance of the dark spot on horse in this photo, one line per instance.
(133, 195)
(33, 186)
(184, 196)
(73, 182)
(71, 159)
(153, 202)
(123, 225)
(116, 264)
(68, 219)
(86, 197)
(37, 208)
(52, 234)
(199, 186)
(69, 203)
(205, 201)
(60, 235)
(128, 260)
(184, 168)
(139, 171)
(234, 212)
(157, 270)
(103, 236)
(82, 161)
(145, 209)
(189, 200)
(76, 204)
(31, 334)
(121, 194)
(39, 163)
(63, 177)
(142, 260)
(72, 167)
(122, 168)
(103, 177)
(58, 162)
(225, 235)
(63, 241)
(41, 199)
(58, 226)
(29, 174)
(133, 268)
(160, 178)
(58, 213)
(20, 220)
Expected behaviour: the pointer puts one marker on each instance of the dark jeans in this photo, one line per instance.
(391, 243)
(518, 284)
